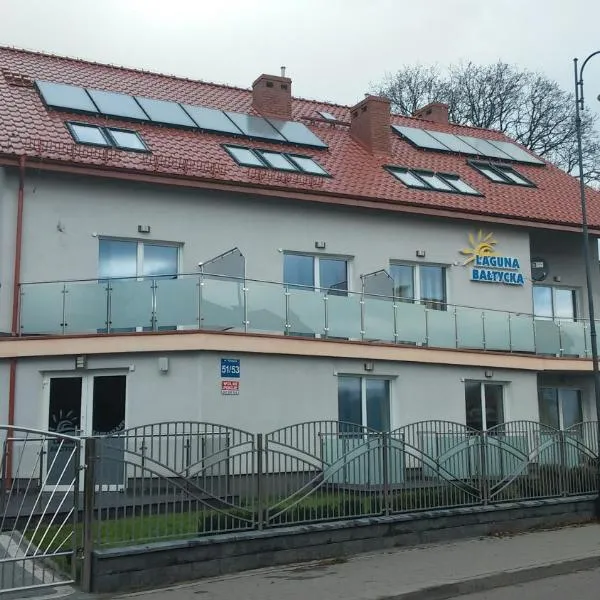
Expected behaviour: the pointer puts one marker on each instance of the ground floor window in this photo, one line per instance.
(484, 404)
(560, 407)
(364, 401)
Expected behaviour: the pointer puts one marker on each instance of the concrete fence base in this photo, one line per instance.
(164, 563)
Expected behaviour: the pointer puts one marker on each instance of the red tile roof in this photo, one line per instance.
(27, 127)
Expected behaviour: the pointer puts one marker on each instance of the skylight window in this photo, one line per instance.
(127, 140)
(88, 134)
(502, 174)
(427, 180)
(280, 161)
(124, 139)
(327, 115)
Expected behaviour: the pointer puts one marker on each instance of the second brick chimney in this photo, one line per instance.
(434, 111)
(272, 96)
(370, 124)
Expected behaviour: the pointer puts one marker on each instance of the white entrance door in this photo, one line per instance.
(86, 405)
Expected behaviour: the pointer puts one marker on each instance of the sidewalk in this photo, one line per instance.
(420, 573)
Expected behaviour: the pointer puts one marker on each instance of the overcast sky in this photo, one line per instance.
(333, 49)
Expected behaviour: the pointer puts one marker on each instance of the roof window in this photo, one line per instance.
(94, 135)
(428, 180)
(502, 174)
(280, 161)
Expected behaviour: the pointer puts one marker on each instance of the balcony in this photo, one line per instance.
(215, 303)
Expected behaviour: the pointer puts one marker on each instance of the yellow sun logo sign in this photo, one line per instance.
(482, 245)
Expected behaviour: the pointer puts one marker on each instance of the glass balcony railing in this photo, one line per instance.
(217, 303)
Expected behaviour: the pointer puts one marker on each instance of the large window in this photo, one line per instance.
(484, 404)
(560, 407)
(551, 302)
(364, 401)
(425, 284)
(323, 273)
(120, 258)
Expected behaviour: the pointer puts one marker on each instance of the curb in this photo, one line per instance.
(445, 591)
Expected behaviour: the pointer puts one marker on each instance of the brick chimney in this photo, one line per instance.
(435, 111)
(370, 124)
(272, 95)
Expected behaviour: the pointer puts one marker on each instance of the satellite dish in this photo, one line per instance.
(539, 269)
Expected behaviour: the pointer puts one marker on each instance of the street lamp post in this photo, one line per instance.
(579, 106)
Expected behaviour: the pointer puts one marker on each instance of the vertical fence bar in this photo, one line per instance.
(76, 547)
(89, 492)
(385, 460)
(562, 478)
(485, 494)
(260, 503)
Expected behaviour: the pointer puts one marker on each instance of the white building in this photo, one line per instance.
(154, 250)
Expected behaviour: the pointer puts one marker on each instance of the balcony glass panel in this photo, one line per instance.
(306, 312)
(379, 319)
(522, 337)
(343, 316)
(42, 308)
(469, 328)
(266, 307)
(222, 304)
(572, 337)
(410, 321)
(130, 304)
(496, 330)
(441, 328)
(85, 307)
(177, 303)
(547, 337)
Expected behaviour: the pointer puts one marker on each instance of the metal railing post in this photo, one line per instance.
(245, 294)
(108, 306)
(89, 494)
(455, 328)
(75, 556)
(287, 325)
(483, 329)
(510, 346)
(483, 467)
(561, 350)
(385, 460)
(260, 508)
(63, 325)
(200, 287)
(153, 318)
(326, 316)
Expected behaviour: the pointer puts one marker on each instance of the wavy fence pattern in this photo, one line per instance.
(173, 480)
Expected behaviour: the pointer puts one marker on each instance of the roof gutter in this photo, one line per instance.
(325, 198)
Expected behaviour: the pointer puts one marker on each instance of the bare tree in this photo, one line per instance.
(528, 107)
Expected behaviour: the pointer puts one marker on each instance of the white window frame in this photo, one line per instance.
(317, 267)
(363, 394)
(482, 400)
(139, 257)
(417, 277)
(553, 288)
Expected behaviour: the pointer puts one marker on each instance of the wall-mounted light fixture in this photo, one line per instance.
(143, 228)
(320, 245)
(81, 362)
(420, 253)
(369, 365)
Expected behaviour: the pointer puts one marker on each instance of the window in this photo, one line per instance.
(364, 401)
(427, 180)
(423, 284)
(501, 174)
(560, 407)
(327, 115)
(122, 258)
(322, 273)
(484, 404)
(124, 139)
(280, 161)
(88, 134)
(127, 140)
(554, 303)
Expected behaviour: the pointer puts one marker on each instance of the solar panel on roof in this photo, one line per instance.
(165, 112)
(484, 147)
(115, 104)
(255, 127)
(516, 152)
(211, 119)
(453, 142)
(420, 138)
(62, 95)
(297, 133)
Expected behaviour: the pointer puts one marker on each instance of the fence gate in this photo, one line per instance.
(40, 531)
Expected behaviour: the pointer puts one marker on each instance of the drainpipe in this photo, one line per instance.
(14, 329)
